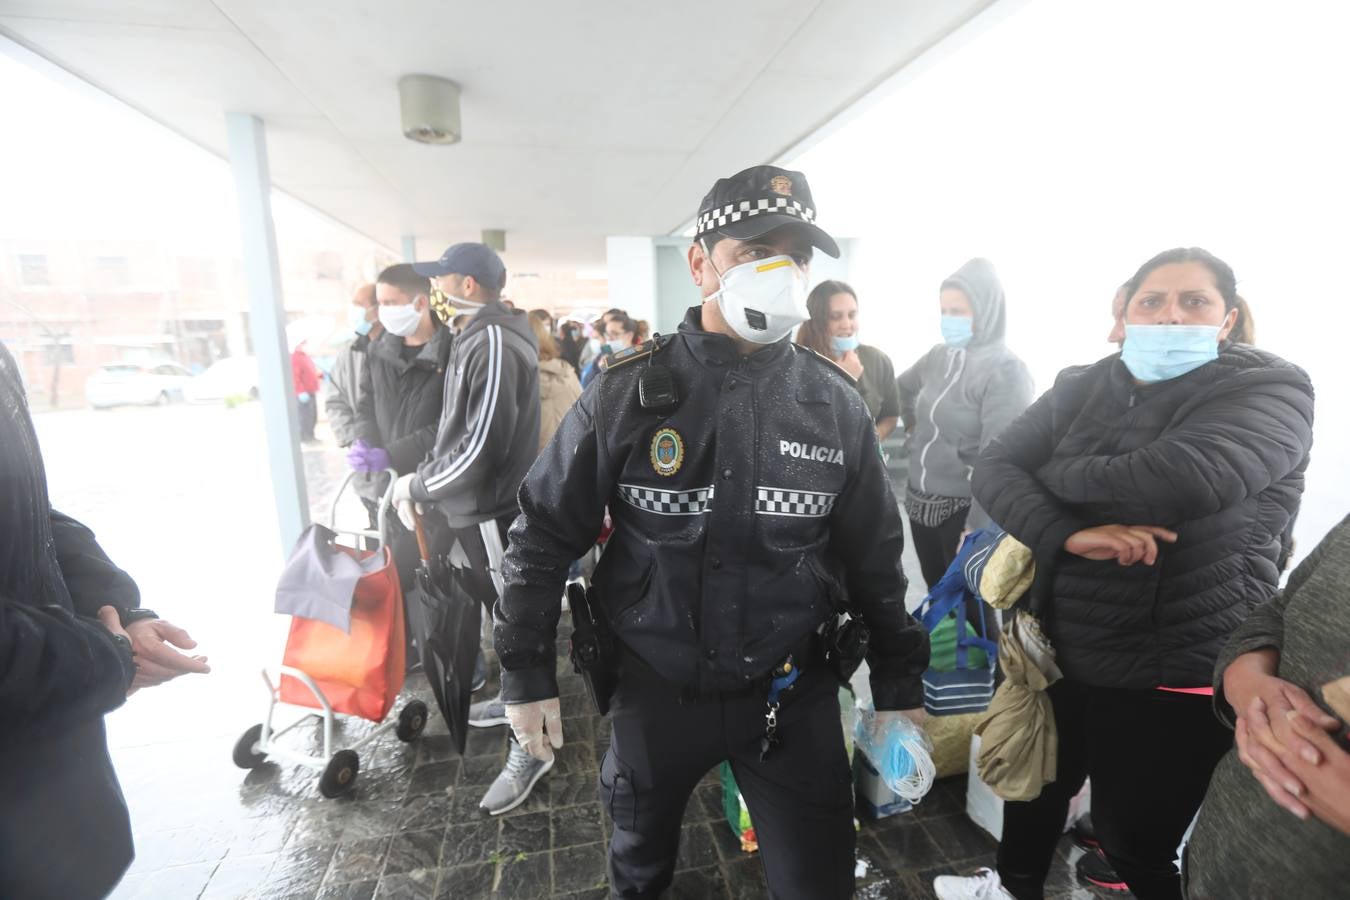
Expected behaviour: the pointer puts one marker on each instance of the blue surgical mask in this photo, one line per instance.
(957, 330)
(356, 318)
(845, 344)
(1159, 352)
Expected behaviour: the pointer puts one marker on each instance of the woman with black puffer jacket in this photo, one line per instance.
(1153, 488)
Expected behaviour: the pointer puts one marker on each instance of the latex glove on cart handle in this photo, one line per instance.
(537, 726)
(408, 509)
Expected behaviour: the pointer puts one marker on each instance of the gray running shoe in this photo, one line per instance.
(515, 782)
(488, 713)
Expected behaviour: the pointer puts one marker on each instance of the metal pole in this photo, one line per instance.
(267, 323)
(409, 248)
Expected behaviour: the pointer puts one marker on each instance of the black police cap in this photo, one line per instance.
(759, 199)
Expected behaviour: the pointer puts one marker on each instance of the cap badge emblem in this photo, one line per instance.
(667, 451)
(781, 184)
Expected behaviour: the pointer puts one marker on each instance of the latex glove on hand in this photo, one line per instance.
(533, 722)
(408, 509)
(304, 399)
(364, 458)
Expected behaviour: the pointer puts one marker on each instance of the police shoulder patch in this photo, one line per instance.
(834, 366)
(633, 354)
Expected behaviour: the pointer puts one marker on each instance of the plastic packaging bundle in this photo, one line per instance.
(900, 751)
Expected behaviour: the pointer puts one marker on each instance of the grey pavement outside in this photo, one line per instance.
(179, 497)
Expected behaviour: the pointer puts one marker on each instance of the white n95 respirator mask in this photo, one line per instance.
(762, 300)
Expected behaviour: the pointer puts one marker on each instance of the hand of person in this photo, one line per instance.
(377, 460)
(1279, 783)
(534, 721)
(1327, 781)
(157, 661)
(850, 363)
(304, 399)
(356, 456)
(1256, 693)
(1127, 544)
(404, 503)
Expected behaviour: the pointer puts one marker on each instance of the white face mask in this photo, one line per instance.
(401, 320)
(762, 300)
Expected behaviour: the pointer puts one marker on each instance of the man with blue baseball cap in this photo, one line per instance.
(485, 443)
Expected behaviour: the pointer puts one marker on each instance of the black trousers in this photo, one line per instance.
(800, 799)
(1150, 755)
(936, 545)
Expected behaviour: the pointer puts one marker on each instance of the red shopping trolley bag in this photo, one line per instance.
(360, 671)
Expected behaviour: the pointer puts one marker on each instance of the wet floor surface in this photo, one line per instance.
(411, 828)
(180, 498)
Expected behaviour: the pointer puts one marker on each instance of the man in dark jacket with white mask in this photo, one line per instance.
(402, 384)
(747, 490)
(484, 445)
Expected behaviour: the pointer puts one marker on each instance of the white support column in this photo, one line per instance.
(632, 274)
(267, 322)
(409, 248)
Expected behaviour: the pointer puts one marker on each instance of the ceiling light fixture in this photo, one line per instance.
(430, 108)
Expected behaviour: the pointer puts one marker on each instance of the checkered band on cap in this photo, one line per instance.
(786, 502)
(717, 218)
(668, 503)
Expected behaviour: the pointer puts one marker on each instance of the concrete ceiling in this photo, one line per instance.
(581, 119)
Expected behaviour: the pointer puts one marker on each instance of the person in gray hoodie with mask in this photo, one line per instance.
(953, 401)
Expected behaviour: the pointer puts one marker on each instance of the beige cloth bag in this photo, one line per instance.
(1008, 573)
(1018, 738)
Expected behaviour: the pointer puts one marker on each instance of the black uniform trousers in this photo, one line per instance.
(1150, 755)
(800, 799)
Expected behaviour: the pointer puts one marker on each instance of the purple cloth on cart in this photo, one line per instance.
(319, 580)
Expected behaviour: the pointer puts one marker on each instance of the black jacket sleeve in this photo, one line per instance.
(1235, 445)
(407, 452)
(562, 509)
(91, 577)
(364, 425)
(57, 670)
(867, 537)
(1005, 485)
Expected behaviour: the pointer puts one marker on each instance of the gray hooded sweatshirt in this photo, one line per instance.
(955, 400)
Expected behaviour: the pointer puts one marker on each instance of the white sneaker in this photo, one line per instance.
(983, 885)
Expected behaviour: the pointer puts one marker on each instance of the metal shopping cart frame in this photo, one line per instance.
(259, 744)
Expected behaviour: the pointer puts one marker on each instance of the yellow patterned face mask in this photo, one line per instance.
(441, 306)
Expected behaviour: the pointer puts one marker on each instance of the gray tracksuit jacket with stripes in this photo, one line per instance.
(489, 427)
(738, 517)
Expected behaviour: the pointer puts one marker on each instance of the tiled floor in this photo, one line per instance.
(411, 828)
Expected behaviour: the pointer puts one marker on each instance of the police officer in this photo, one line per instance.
(748, 496)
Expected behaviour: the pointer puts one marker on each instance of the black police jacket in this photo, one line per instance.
(734, 516)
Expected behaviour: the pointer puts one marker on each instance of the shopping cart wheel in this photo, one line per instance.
(245, 756)
(340, 774)
(411, 720)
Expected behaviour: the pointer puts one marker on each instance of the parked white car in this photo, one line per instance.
(233, 378)
(128, 384)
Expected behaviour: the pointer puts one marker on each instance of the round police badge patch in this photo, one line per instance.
(667, 451)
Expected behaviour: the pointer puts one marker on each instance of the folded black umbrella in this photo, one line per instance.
(445, 622)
